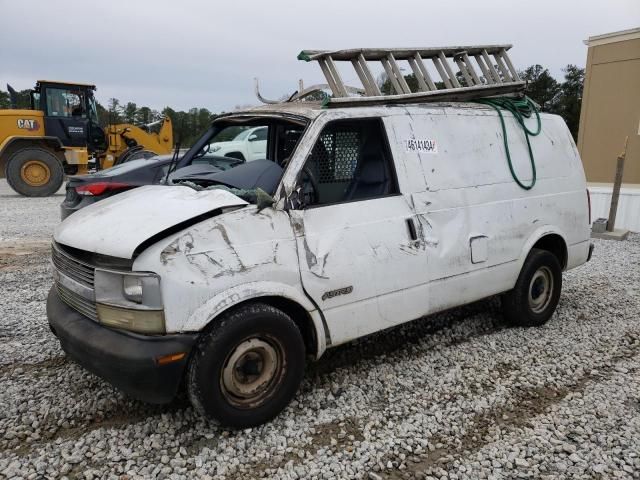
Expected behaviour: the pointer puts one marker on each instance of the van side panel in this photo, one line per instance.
(223, 261)
(475, 221)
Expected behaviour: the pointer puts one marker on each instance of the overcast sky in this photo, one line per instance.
(205, 53)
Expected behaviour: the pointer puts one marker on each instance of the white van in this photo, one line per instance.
(360, 218)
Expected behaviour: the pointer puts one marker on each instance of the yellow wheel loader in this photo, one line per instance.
(60, 134)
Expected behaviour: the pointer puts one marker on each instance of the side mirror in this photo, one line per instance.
(263, 199)
(253, 138)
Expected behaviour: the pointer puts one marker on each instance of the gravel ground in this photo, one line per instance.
(457, 396)
(31, 219)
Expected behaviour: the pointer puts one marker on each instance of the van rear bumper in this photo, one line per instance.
(126, 360)
(578, 254)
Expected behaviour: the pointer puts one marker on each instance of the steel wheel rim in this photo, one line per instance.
(252, 371)
(35, 173)
(540, 289)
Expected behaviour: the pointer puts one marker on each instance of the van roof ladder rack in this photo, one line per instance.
(496, 76)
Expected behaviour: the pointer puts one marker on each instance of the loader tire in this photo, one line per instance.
(35, 172)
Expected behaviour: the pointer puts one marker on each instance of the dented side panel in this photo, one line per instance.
(356, 261)
(453, 175)
(464, 191)
(221, 261)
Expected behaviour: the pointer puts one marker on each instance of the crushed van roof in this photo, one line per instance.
(312, 110)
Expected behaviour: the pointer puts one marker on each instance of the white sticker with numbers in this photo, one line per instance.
(421, 145)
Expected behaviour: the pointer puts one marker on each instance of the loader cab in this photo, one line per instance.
(70, 113)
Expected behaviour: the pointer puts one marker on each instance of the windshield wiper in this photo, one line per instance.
(174, 160)
(203, 151)
(173, 163)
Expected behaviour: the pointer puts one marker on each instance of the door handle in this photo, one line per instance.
(413, 234)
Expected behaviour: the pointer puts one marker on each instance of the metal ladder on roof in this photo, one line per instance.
(496, 74)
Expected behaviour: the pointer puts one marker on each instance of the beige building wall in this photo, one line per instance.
(611, 106)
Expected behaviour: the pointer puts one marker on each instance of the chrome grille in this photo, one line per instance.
(75, 301)
(79, 271)
(83, 276)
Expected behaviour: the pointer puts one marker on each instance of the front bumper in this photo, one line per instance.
(126, 360)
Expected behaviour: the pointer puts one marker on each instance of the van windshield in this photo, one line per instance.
(262, 146)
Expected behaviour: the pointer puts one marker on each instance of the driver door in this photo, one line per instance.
(65, 116)
(356, 245)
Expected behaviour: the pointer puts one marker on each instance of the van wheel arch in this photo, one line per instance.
(297, 312)
(245, 369)
(554, 244)
(536, 294)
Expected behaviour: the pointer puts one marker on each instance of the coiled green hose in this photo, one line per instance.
(520, 108)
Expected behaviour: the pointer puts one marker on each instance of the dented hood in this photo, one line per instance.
(116, 226)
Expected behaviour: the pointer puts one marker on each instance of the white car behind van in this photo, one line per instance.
(250, 144)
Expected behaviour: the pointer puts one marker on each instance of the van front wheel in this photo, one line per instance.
(247, 367)
(537, 291)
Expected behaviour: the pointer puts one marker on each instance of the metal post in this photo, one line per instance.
(611, 223)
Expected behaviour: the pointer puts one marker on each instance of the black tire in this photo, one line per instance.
(537, 291)
(216, 366)
(45, 161)
(237, 155)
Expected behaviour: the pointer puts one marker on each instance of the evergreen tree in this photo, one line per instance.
(115, 111)
(103, 115)
(143, 116)
(5, 102)
(129, 112)
(570, 98)
(541, 86)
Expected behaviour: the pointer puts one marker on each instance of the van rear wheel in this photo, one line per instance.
(536, 293)
(247, 367)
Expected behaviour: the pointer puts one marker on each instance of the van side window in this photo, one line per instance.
(350, 161)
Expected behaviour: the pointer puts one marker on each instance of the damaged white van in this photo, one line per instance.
(358, 219)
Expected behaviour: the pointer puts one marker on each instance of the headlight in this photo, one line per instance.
(132, 287)
(129, 300)
(141, 321)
